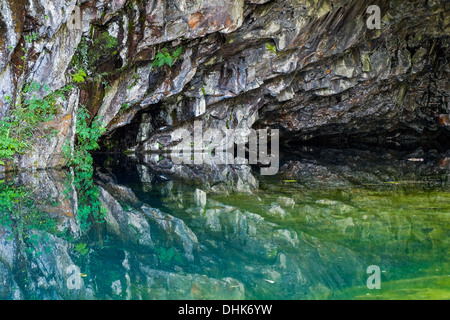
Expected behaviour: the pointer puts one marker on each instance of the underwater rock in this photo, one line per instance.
(168, 285)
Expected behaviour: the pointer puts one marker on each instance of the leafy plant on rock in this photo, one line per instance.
(164, 57)
(23, 122)
(89, 207)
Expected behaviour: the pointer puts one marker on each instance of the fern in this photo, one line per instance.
(79, 76)
(164, 57)
(81, 248)
(177, 53)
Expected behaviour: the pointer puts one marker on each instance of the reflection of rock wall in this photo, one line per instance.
(37, 268)
(174, 286)
(264, 258)
(340, 212)
(216, 177)
(348, 167)
(271, 259)
(38, 264)
(137, 233)
(313, 231)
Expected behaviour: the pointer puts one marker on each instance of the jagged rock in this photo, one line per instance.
(172, 225)
(9, 290)
(313, 70)
(128, 225)
(167, 285)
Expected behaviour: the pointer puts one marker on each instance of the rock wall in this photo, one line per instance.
(311, 68)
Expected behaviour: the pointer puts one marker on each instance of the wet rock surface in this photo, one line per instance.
(312, 69)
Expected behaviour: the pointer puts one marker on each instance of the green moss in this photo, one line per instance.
(128, 152)
(105, 41)
(173, 115)
(80, 59)
(101, 49)
(125, 107)
(366, 64)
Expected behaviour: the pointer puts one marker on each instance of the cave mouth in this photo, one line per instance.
(124, 139)
(401, 139)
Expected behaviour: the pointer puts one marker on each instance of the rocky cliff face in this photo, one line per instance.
(311, 68)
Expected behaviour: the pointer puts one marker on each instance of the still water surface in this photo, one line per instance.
(146, 229)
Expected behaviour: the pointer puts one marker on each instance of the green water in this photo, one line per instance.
(289, 236)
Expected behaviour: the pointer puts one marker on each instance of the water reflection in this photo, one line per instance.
(155, 230)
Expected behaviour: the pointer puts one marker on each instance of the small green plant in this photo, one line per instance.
(9, 146)
(79, 76)
(271, 47)
(164, 57)
(167, 255)
(23, 121)
(81, 248)
(86, 141)
(31, 37)
(90, 208)
(125, 106)
(21, 215)
(105, 84)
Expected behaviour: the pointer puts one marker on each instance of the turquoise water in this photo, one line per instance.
(139, 231)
